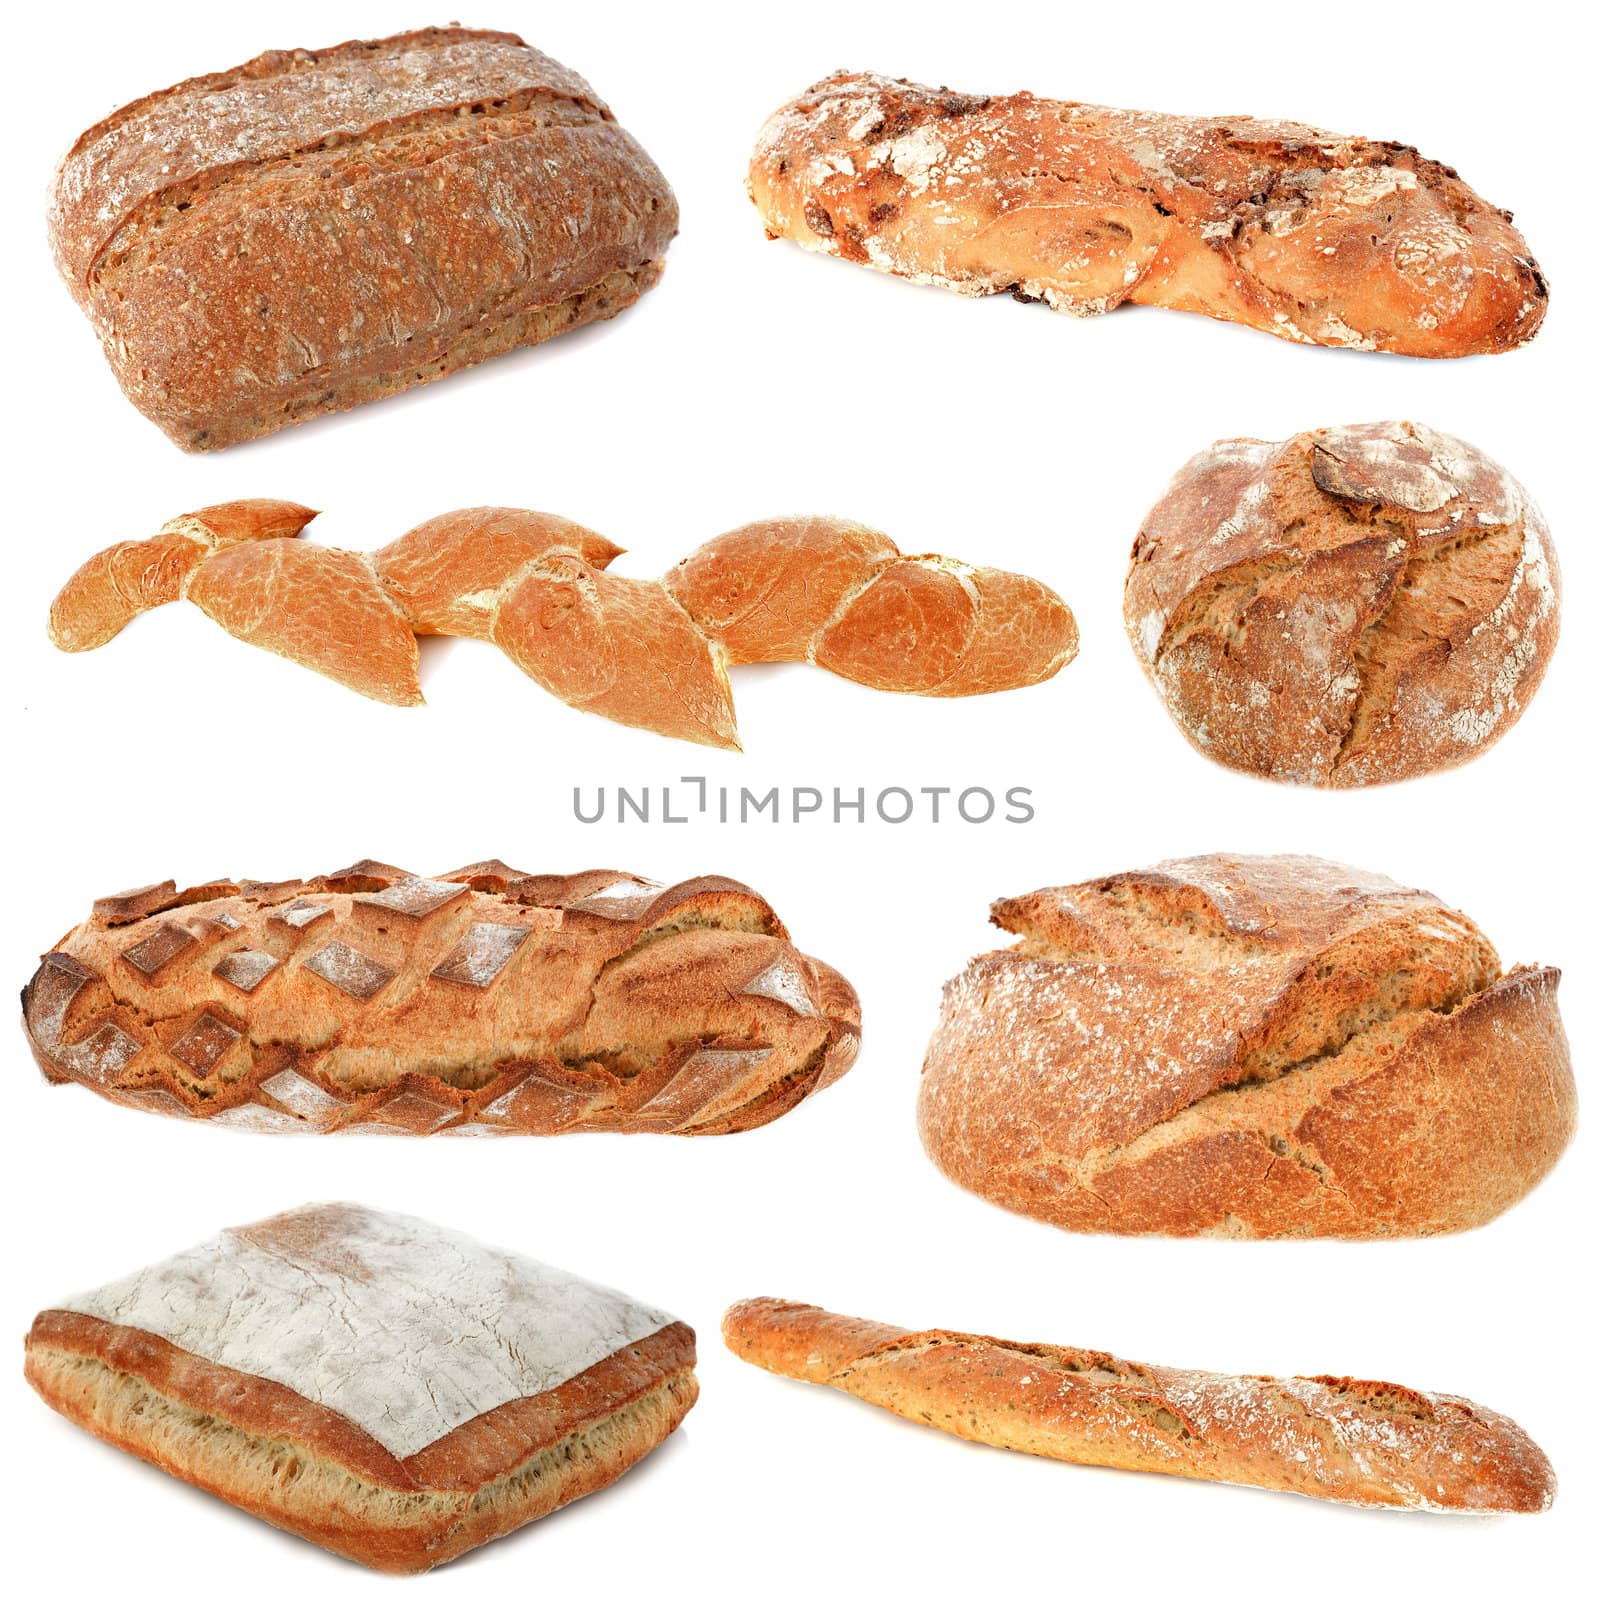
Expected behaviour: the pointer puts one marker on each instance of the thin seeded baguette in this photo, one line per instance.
(1247, 1047)
(649, 653)
(1349, 1439)
(1312, 236)
(1351, 606)
(319, 228)
(487, 1001)
(385, 1388)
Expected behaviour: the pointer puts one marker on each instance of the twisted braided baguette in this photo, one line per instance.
(1312, 236)
(486, 1001)
(650, 653)
(1366, 1443)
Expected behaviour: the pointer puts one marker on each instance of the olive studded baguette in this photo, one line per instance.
(486, 1001)
(649, 653)
(1316, 237)
(1361, 1442)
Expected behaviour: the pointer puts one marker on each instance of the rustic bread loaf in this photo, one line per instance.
(392, 1391)
(1247, 1047)
(1309, 235)
(1351, 606)
(650, 653)
(487, 1001)
(318, 228)
(1349, 1439)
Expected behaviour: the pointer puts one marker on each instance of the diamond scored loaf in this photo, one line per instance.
(487, 1001)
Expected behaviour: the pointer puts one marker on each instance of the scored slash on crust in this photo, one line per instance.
(505, 1001)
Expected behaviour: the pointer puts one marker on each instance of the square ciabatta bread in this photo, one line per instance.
(390, 1390)
(318, 228)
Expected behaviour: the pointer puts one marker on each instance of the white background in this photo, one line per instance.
(755, 381)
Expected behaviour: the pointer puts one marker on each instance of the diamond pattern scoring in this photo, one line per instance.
(260, 1119)
(303, 1097)
(246, 969)
(784, 982)
(415, 897)
(358, 975)
(205, 1042)
(413, 1113)
(622, 901)
(480, 954)
(166, 944)
(103, 1055)
(697, 1087)
(299, 913)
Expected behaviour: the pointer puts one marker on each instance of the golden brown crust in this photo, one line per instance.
(109, 590)
(648, 653)
(473, 191)
(1365, 1443)
(322, 608)
(1355, 605)
(1311, 236)
(1256, 1047)
(489, 1445)
(394, 1392)
(488, 1001)
(442, 573)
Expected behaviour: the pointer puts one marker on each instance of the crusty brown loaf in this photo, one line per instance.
(307, 1467)
(315, 229)
(651, 653)
(487, 1001)
(1351, 606)
(1247, 1047)
(1350, 1439)
(1312, 236)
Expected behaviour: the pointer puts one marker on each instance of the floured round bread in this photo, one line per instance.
(392, 1391)
(486, 1001)
(1251, 1047)
(1352, 606)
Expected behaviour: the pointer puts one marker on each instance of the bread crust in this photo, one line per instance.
(488, 1001)
(1347, 1439)
(1355, 605)
(1315, 237)
(648, 653)
(1247, 1047)
(315, 229)
(310, 1467)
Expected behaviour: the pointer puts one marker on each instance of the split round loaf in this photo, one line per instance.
(1247, 1047)
(1351, 606)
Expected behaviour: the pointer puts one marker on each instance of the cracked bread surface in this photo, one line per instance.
(487, 1001)
(1247, 1047)
(318, 228)
(1365, 1443)
(648, 653)
(390, 1390)
(1316, 237)
(1354, 605)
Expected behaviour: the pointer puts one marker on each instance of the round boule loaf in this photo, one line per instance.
(1247, 1047)
(1351, 606)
